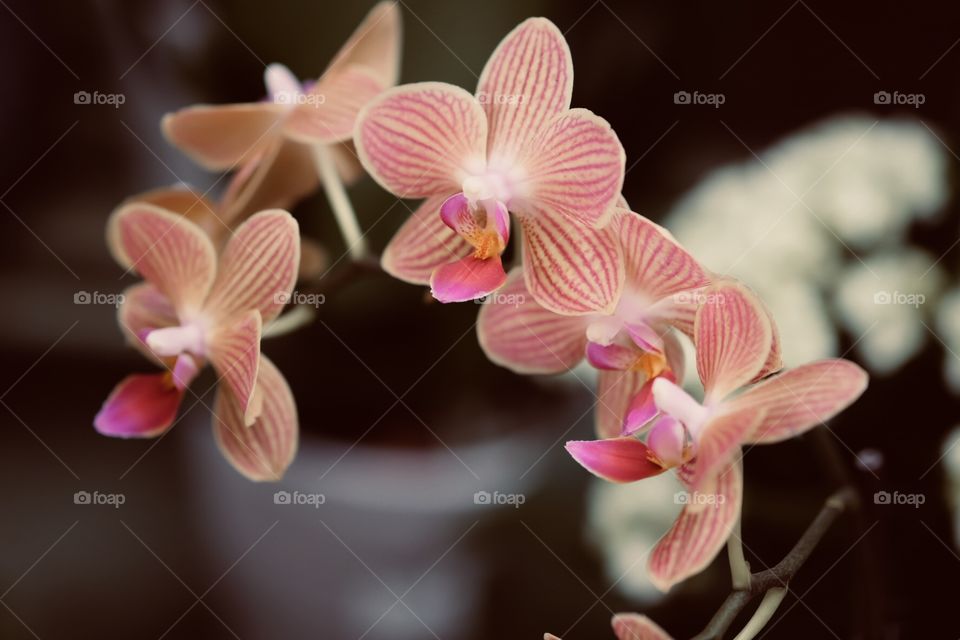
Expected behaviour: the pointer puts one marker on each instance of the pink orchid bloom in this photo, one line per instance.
(734, 339)
(195, 308)
(631, 626)
(515, 147)
(631, 346)
(271, 142)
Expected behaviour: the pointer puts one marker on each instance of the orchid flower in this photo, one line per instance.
(631, 626)
(631, 346)
(733, 335)
(514, 147)
(273, 142)
(196, 308)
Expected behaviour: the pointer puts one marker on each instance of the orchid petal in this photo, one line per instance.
(185, 369)
(570, 268)
(329, 110)
(144, 309)
(615, 459)
(718, 442)
(417, 140)
(774, 360)
(667, 440)
(575, 167)
(375, 43)
(234, 351)
(612, 356)
(645, 336)
(640, 411)
(517, 333)
(733, 338)
(140, 406)
(422, 244)
(633, 626)
(673, 400)
(221, 137)
(801, 398)
(171, 253)
(526, 82)
(264, 449)
(656, 264)
(698, 534)
(258, 267)
(467, 279)
(615, 390)
(464, 218)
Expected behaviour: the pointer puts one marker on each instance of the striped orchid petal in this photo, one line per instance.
(329, 110)
(698, 534)
(613, 356)
(719, 442)
(375, 43)
(224, 136)
(171, 253)
(140, 406)
(774, 360)
(144, 309)
(643, 406)
(801, 398)
(633, 626)
(517, 333)
(656, 264)
(417, 140)
(422, 244)
(466, 279)
(526, 82)
(258, 268)
(575, 167)
(263, 450)
(570, 268)
(615, 459)
(733, 338)
(615, 391)
(234, 351)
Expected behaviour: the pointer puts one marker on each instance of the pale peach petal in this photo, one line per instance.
(656, 264)
(258, 268)
(633, 626)
(375, 43)
(263, 450)
(526, 82)
(171, 253)
(144, 309)
(517, 333)
(234, 351)
(221, 137)
(418, 140)
(719, 442)
(422, 244)
(330, 108)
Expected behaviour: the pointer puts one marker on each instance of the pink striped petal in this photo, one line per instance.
(171, 253)
(234, 351)
(801, 398)
(719, 442)
(570, 268)
(733, 338)
(375, 43)
(258, 268)
(419, 140)
(526, 82)
(615, 390)
(774, 360)
(575, 167)
(467, 279)
(633, 626)
(141, 406)
(144, 310)
(615, 459)
(263, 450)
(329, 110)
(422, 244)
(698, 535)
(221, 137)
(656, 264)
(517, 333)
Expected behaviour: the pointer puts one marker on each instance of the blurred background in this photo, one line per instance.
(807, 147)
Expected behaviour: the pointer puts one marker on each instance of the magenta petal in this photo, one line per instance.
(667, 439)
(641, 410)
(467, 279)
(645, 336)
(141, 406)
(184, 371)
(611, 356)
(615, 459)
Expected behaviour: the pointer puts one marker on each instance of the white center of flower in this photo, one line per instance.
(283, 87)
(172, 341)
(485, 187)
